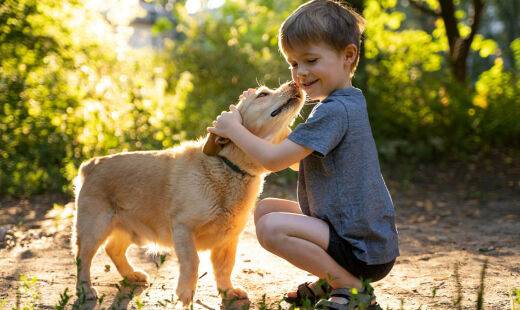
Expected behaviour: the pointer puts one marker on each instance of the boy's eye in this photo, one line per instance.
(312, 60)
(293, 65)
(263, 94)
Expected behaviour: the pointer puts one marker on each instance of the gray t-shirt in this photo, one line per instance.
(341, 181)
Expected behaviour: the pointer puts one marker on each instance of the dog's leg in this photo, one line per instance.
(92, 229)
(184, 244)
(116, 248)
(223, 260)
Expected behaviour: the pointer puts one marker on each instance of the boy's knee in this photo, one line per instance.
(269, 232)
(262, 208)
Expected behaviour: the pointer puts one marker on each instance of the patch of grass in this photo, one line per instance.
(480, 296)
(514, 296)
(457, 302)
(28, 297)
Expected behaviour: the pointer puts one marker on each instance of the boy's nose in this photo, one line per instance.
(302, 72)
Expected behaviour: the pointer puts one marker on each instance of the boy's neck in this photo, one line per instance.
(347, 85)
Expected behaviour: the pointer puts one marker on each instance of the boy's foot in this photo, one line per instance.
(308, 293)
(344, 299)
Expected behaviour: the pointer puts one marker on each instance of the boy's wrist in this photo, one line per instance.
(234, 129)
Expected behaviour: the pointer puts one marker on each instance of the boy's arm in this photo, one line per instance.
(273, 157)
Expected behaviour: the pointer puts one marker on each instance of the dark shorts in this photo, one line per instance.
(342, 252)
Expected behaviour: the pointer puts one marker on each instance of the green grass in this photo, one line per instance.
(28, 296)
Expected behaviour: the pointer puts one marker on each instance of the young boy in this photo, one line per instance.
(343, 226)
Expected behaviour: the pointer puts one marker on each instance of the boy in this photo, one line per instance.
(343, 226)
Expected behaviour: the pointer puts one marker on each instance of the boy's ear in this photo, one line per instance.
(213, 144)
(350, 53)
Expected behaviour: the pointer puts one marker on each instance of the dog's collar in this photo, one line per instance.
(234, 167)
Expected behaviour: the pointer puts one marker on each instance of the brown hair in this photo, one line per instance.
(325, 21)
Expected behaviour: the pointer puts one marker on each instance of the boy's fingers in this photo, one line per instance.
(247, 93)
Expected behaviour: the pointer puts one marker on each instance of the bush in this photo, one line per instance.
(72, 89)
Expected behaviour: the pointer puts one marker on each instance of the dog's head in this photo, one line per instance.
(267, 113)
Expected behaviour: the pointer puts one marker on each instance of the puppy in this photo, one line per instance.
(196, 196)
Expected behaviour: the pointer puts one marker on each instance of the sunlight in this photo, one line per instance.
(193, 6)
(118, 12)
(213, 4)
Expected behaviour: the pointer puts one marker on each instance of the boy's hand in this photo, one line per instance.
(226, 122)
(247, 93)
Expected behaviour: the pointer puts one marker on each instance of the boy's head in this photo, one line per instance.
(322, 21)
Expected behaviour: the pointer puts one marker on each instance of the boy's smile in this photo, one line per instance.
(319, 69)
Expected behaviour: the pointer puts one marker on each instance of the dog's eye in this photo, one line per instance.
(262, 94)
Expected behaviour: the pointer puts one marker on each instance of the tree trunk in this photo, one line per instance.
(359, 6)
(459, 47)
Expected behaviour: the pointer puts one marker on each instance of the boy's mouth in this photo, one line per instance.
(309, 84)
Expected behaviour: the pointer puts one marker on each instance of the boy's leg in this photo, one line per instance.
(303, 241)
(269, 205)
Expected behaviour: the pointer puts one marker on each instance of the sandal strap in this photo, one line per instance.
(324, 286)
(304, 290)
(360, 297)
(341, 292)
(327, 304)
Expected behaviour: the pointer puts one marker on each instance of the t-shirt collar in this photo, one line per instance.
(345, 92)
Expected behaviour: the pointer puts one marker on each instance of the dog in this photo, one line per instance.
(196, 196)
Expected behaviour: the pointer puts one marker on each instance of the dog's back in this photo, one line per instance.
(180, 197)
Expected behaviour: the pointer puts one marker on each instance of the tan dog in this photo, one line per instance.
(196, 196)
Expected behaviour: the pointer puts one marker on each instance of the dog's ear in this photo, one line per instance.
(213, 144)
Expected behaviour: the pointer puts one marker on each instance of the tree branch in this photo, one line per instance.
(424, 8)
(478, 8)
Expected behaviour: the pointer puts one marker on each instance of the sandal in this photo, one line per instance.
(305, 294)
(360, 300)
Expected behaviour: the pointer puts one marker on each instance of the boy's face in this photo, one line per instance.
(320, 69)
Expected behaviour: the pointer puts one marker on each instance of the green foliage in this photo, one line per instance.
(417, 109)
(225, 52)
(68, 94)
(72, 89)
(127, 291)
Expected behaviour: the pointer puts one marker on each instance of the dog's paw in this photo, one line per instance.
(184, 295)
(86, 292)
(137, 277)
(236, 293)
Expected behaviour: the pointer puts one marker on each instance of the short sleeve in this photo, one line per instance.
(324, 129)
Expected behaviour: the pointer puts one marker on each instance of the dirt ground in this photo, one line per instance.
(452, 219)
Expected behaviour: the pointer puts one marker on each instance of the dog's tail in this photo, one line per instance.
(84, 170)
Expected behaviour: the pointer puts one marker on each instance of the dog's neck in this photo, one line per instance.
(241, 160)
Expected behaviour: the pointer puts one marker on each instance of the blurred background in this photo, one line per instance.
(83, 78)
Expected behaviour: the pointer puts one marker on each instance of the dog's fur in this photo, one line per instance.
(184, 197)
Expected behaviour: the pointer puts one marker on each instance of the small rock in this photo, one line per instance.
(7, 237)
